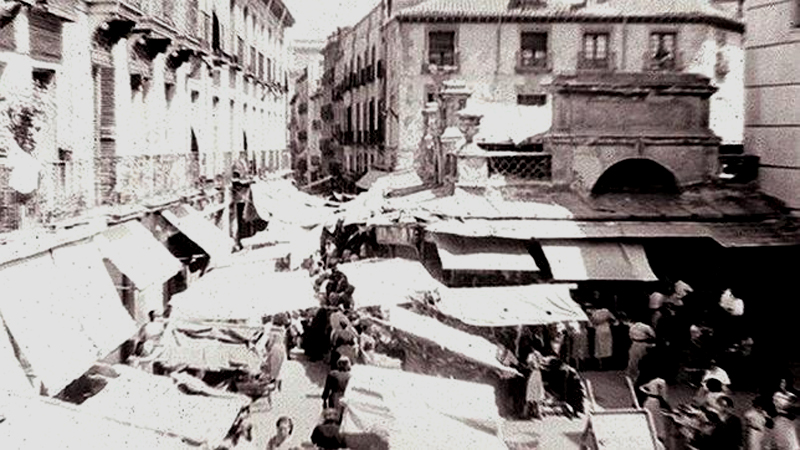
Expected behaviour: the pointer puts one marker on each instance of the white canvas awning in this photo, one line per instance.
(47, 328)
(244, 292)
(589, 260)
(387, 282)
(156, 403)
(138, 254)
(211, 239)
(35, 423)
(489, 253)
(281, 200)
(469, 346)
(622, 429)
(88, 289)
(214, 347)
(536, 304)
(418, 411)
(369, 178)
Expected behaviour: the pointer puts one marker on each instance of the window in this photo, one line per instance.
(442, 48)
(595, 53)
(662, 50)
(45, 36)
(533, 50)
(532, 99)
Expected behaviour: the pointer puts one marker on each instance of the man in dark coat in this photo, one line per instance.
(326, 435)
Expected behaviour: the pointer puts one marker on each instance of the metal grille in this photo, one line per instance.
(521, 167)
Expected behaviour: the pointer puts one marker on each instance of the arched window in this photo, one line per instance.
(637, 175)
(215, 32)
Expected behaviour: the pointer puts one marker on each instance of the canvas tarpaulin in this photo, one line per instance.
(205, 234)
(214, 347)
(89, 290)
(243, 293)
(47, 329)
(588, 260)
(35, 423)
(138, 254)
(387, 282)
(535, 304)
(623, 429)
(462, 253)
(281, 200)
(156, 403)
(416, 411)
(469, 346)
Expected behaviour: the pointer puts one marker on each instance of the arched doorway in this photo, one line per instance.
(636, 176)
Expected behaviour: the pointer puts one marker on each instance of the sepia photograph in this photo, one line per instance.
(399, 224)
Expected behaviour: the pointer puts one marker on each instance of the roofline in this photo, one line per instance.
(721, 22)
(288, 19)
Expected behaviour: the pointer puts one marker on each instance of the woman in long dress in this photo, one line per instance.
(534, 389)
(602, 319)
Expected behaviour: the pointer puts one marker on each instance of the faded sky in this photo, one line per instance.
(316, 19)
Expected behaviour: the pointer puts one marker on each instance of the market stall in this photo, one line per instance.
(34, 423)
(620, 429)
(203, 416)
(245, 292)
(408, 411)
(388, 282)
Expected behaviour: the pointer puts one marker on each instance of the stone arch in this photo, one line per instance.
(640, 175)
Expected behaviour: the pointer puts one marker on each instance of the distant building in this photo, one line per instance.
(772, 82)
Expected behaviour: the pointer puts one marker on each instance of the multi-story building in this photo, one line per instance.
(772, 85)
(122, 112)
(508, 52)
(304, 140)
(357, 74)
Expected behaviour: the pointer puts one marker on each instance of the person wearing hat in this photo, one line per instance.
(642, 337)
(336, 384)
(656, 403)
(326, 435)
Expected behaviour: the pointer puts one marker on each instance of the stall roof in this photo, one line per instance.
(535, 304)
(281, 200)
(462, 253)
(387, 282)
(137, 254)
(47, 329)
(214, 347)
(34, 423)
(244, 292)
(156, 403)
(504, 123)
(441, 413)
(469, 346)
(211, 239)
(623, 429)
(590, 260)
(88, 289)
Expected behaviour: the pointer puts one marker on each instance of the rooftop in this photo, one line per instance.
(697, 11)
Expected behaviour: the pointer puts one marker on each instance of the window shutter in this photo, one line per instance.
(107, 103)
(7, 41)
(45, 36)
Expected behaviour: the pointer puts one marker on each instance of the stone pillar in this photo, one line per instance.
(429, 146)
(453, 96)
(471, 165)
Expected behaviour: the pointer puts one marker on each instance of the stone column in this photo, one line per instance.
(453, 96)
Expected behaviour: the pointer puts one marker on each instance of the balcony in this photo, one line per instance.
(591, 62)
(670, 63)
(441, 64)
(528, 61)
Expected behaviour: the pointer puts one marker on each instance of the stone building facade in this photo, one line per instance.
(772, 83)
(127, 101)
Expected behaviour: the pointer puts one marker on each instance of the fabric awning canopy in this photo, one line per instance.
(369, 178)
(47, 329)
(281, 200)
(590, 260)
(211, 239)
(536, 304)
(387, 282)
(469, 346)
(156, 403)
(244, 292)
(504, 123)
(35, 423)
(419, 411)
(622, 429)
(138, 254)
(89, 291)
(214, 347)
(460, 253)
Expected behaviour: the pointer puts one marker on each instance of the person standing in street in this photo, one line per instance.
(602, 319)
(326, 435)
(336, 384)
(282, 440)
(534, 389)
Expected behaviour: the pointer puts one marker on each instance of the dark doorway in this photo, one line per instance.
(636, 176)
